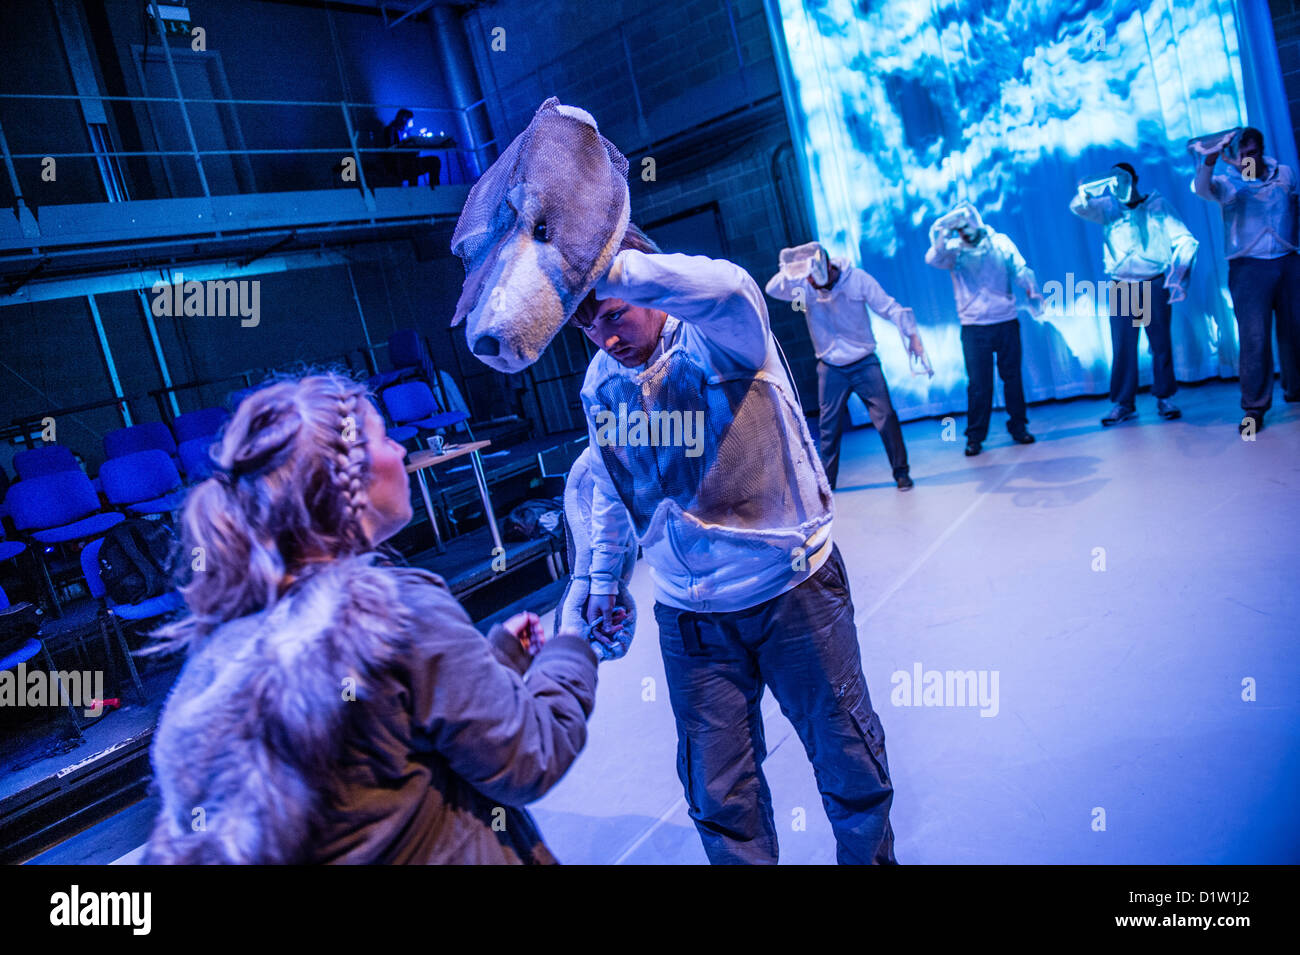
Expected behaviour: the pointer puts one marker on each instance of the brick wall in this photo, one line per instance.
(584, 60)
(1286, 30)
(679, 57)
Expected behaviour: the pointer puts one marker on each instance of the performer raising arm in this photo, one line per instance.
(985, 267)
(837, 300)
(750, 589)
(1144, 241)
(1258, 196)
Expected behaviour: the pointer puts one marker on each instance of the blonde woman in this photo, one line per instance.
(334, 707)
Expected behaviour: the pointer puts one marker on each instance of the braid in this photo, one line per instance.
(350, 467)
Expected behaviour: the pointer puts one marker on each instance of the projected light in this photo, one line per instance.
(907, 106)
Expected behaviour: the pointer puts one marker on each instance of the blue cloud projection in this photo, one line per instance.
(906, 106)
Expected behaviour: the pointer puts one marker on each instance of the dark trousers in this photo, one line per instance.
(1259, 288)
(1158, 314)
(804, 645)
(834, 385)
(978, 343)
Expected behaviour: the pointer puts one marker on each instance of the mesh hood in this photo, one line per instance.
(538, 230)
(966, 208)
(799, 254)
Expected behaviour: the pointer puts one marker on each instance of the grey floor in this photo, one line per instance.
(1120, 733)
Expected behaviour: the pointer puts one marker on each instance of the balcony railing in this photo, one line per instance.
(204, 164)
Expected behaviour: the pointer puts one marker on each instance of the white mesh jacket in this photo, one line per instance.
(984, 275)
(1139, 241)
(1259, 215)
(731, 506)
(838, 318)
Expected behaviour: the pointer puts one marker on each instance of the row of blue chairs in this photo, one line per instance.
(54, 503)
(187, 440)
(93, 617)
(407, 390)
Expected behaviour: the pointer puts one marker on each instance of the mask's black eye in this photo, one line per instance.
(540, 233)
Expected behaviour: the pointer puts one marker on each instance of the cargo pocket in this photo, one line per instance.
(853, 699)
(685, 774)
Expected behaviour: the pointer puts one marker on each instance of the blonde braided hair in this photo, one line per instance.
(351, 467)
(288, 495)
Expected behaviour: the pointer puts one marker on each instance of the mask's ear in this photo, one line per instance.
(474, 282)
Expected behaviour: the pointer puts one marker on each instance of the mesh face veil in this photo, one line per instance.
(1123, 184)
(807, 260)
(821, 268)
(538, 230)
(963, 218)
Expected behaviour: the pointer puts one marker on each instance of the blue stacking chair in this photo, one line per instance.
(152, 435)
(22, 650)
(58, 508)
(145, 482)
(47, 459)
(196, 461)
(199, 424)
(413, 408)
(148, 609)
(407, 354)
(406, 359)
(10, 549)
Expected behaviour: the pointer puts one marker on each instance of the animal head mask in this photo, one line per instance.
(538, 230)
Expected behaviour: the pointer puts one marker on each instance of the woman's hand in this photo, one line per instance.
(528, 630)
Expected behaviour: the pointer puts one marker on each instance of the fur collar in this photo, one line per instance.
(245, 749)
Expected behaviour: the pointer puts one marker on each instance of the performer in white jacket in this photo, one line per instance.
(837, 300)
(1258, 196)
(986, 266)
(702, 452)
(1144, 240)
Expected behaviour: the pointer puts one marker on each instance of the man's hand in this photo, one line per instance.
(1036, 303)
(604, 619)
(1176, 294)
(914, 346)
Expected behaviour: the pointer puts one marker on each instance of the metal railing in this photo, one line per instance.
(473, 156)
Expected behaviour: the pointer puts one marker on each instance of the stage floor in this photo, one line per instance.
(1120, 691)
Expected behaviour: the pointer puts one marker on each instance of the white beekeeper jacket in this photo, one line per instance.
(838, 320)
(1138, 242)
(723, 490)
(983, 276)
(1259, 215)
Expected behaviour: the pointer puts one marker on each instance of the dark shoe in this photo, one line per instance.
(1168, 410)
(904, 482)
(1022, 437)
(972, 448)
(1257, 419)
(1117, 414)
